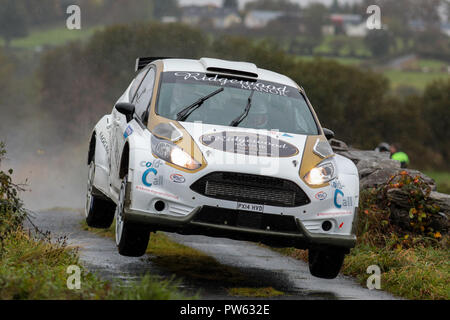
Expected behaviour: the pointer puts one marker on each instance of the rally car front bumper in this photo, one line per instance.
(270, 229)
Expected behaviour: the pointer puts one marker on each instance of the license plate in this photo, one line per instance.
(250, 207)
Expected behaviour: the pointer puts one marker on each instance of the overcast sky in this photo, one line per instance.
(243, 2)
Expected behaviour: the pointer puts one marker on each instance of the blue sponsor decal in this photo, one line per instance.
(128, 132)
(146, 173)
(147, 164)
(337, 205)
(344, 201)
(155, 180)
(336, 184)
(287, 135)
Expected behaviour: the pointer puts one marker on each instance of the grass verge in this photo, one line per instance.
(254, 292)
(442, 179)
(36, 269)
(416, 79)
(51, 36)
(421, 272)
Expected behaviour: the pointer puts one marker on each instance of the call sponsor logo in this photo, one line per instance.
(150, 176)
(321, 195)
(177, 178)
(249, 144)
(340, 200)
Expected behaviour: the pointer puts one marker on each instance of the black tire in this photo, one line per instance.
(102, 213)
(325, 262)
(131, 238)
(99, 210)
(134, 240)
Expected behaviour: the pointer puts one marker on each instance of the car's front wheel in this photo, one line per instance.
(99, 210)
(131, 238)
(325, 262)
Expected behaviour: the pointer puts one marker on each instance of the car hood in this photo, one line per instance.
(248, 150)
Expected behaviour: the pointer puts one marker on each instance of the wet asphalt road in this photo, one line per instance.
(263, 267)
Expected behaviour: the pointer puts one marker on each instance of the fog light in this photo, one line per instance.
(159, 205)
(326, 225)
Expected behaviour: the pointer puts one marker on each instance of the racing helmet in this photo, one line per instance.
(383, 147)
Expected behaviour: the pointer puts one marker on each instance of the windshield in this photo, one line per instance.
(273, 106)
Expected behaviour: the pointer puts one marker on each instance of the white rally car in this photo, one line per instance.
(222, 149)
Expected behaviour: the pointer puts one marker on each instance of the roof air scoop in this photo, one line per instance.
(241, 69)
(142, 62)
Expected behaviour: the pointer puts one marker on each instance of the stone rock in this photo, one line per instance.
(382, 175)
(338, 145)
(375, 168)
(443, 201)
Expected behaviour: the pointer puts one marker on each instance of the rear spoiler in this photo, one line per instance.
(142, 62)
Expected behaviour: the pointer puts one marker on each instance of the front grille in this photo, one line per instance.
(252, 220)
(249, 188)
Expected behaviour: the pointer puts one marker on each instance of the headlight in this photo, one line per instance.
(173, 154)
(321, 174)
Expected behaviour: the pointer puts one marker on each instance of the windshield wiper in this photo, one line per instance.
(186, 112)
(244, 115)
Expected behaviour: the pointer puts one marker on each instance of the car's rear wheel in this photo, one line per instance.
(325, 262)
(99, 210)
(131, 238)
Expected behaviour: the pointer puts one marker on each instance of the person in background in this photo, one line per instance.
(398, 155)
(383, 147)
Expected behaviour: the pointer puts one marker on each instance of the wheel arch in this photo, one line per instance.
(92, 147)
(124, 161)
(99, 150)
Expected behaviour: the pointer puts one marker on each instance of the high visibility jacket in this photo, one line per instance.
(402, 157)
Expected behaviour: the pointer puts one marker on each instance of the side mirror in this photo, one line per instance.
(328, 133)
(125, 108)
